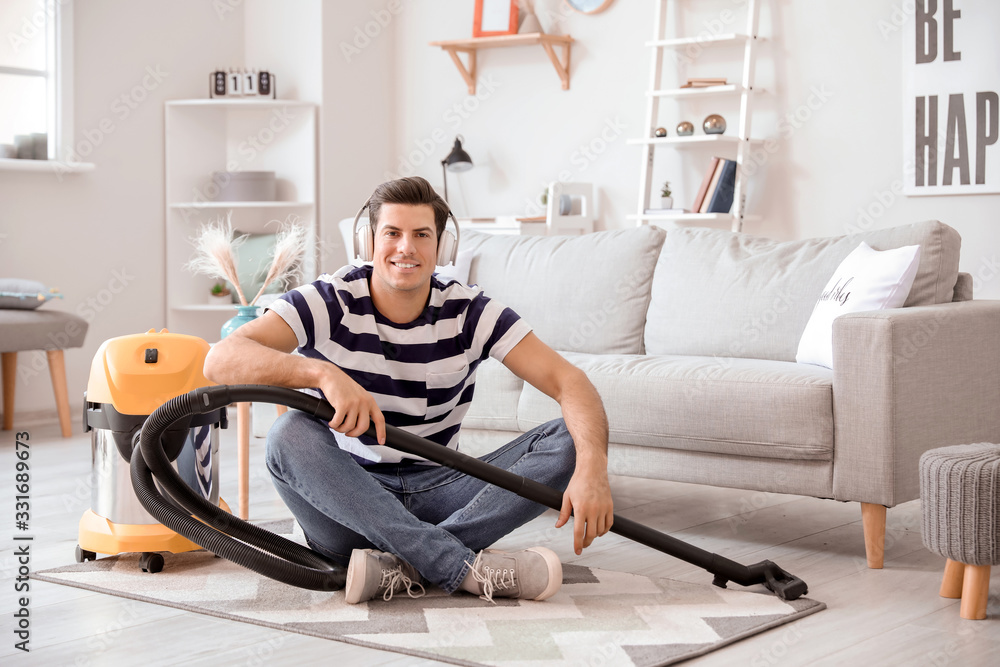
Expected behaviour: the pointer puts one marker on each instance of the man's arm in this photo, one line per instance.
(258, 353)
(588, 495)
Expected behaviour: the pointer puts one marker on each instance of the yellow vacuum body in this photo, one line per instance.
(130, 377)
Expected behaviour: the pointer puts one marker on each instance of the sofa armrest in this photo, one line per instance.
(905, 381)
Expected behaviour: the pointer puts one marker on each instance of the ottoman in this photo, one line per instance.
(960, 498)
(49, 330)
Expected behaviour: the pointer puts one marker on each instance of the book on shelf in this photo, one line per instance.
(703, 188)
(704, 83)
(722, 197)
(711, 186)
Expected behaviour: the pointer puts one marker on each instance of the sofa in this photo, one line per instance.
(690, 337)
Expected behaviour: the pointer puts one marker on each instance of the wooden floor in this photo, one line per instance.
(874, 617)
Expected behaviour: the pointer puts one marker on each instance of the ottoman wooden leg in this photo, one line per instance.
(57, 370)
(9, 362)
(951, 583)
(975, 592)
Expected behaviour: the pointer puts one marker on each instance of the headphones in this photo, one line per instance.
(364, 240)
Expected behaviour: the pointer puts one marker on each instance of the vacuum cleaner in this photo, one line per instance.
(289, 562)
(129, 378)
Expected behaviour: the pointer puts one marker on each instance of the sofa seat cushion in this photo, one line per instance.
(744, 407)
(494, 403)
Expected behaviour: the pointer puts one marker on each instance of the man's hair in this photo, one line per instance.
(412, 191)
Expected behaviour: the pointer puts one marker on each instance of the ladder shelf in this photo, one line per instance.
(740, 141)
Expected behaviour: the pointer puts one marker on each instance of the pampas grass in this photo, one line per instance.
(289, 248)
(216, 252)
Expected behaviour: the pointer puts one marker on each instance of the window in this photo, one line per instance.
(35, 77)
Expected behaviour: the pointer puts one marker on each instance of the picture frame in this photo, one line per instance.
(495, 17)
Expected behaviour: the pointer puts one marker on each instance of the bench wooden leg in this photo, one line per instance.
(951, 582)
(975, 592)
(57, 371)
(873, 522)
(9, 362)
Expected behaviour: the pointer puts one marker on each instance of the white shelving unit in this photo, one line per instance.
(206, 136)
(738, 143)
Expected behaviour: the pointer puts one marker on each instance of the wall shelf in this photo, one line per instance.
(472, 45)
(687, 141)
(241, 204)
(54, 166)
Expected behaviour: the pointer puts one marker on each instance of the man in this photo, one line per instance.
(394, 343)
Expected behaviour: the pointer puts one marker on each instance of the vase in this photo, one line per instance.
(244, 314)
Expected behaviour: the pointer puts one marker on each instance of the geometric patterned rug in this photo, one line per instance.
(613, 617)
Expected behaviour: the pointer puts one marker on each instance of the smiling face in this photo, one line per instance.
(405, 251)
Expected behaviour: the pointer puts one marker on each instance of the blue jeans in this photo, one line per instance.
(433, 517)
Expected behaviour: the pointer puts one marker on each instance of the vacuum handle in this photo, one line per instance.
(784, 584)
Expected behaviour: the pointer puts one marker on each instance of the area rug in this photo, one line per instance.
(613, 617)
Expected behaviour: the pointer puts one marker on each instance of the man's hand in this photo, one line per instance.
(355, 407)
(588, 499)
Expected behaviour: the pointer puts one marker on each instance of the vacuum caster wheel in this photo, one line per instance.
(151, 562)
(83, 554)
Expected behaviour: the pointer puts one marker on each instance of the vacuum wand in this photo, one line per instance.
(785, 585)
(286, 561)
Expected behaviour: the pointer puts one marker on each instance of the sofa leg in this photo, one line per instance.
(873, 521)
(9, 363)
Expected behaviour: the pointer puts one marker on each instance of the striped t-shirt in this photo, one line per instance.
(422, 373)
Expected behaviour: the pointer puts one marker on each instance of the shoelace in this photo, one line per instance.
(394, 580)
(492, 579)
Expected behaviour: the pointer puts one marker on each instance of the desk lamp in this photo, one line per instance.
(458, 161)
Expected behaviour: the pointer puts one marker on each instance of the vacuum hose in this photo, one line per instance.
(291, 563)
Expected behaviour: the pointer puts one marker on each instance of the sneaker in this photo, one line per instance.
(373, 573)
(530, 574)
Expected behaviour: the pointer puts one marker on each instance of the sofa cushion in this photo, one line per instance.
(737, 295)
(743, 407)
(583, 293)
(494, 403)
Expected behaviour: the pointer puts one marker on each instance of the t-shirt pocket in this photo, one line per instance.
(444, 389)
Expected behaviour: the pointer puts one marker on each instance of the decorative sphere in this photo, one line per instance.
(685, 129)
(660, 132)
(714, 124)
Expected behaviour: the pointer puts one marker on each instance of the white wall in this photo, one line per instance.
(391, 104)
(357, 130)
(99, 236)
(833, 102)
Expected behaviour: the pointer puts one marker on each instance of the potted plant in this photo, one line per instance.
(666, 200)
(220, 294)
